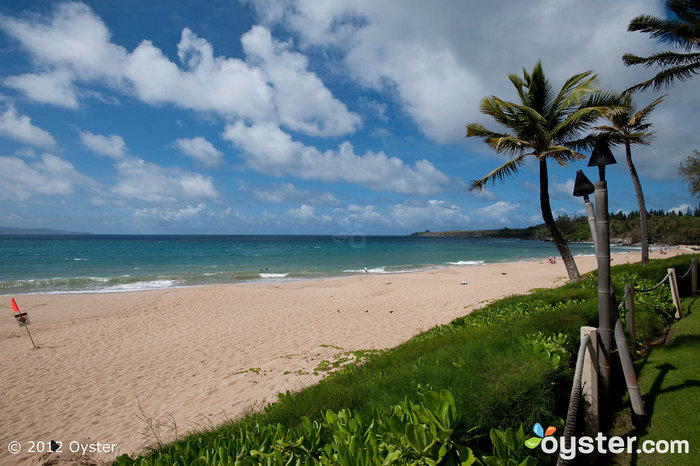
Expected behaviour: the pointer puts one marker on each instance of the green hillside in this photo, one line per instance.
(664, 228)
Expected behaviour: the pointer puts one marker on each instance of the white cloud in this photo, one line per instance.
(307, 214)
(50, 175)
(434, 214)
(20, 128)
(73, 38)
(303, 102)
(73, 45)
(171, 215)
(439, 62)
(682, 208)
(112, 146)
(498, 213)
(227, 86)
(270, 150)
(287, 192)
(138, 179)
(54, 88)
(562, 190)
(200, 150)
(149, 182)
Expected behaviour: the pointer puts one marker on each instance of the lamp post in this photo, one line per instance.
(600, 157)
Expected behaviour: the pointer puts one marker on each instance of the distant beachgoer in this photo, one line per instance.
(366, 269)
(552, 260)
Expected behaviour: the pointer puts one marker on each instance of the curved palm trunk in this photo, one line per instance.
(548, 218)
(642, 206)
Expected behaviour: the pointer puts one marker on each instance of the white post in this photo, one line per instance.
(674, 291)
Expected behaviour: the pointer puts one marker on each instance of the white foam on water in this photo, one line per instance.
(273, 275)
(467, 263)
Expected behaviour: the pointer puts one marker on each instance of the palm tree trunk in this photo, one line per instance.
(548, 218)
(642, 206)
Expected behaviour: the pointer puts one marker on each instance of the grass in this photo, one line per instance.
(669, 381)
(486, 360)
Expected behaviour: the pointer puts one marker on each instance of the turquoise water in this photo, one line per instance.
(62, 264)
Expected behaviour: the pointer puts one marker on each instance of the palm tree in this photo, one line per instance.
(627, 127)
(544, 125)
(683, 32)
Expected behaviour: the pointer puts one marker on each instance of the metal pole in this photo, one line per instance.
(604, 294)
(30, 336)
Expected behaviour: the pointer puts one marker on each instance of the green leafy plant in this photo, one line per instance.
(509, 448)
(553, 347)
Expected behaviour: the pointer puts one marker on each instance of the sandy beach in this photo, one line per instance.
(201, 355)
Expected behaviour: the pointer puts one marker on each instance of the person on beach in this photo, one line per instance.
(366, 269)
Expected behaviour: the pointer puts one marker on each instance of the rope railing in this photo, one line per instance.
(655, 286)
(588, 347)
(575, 397)
(693, 263)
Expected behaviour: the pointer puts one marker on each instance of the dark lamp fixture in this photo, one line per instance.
(582, 186)
(601, 156)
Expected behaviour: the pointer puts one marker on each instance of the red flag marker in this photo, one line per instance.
(22, 319)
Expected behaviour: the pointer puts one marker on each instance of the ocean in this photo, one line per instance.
(104, 263)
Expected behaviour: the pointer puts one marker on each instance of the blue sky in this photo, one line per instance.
(271, 116)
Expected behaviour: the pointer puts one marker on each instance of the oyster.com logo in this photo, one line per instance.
(534, 442)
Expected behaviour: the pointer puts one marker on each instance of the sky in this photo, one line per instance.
(302, 116)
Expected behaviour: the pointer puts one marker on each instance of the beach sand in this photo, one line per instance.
(201, 355)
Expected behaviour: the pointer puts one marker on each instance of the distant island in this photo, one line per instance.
(664, 228)
(36, 231)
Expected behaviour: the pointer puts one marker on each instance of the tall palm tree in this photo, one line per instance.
(545, 125)
(629, 126)
(682, 31)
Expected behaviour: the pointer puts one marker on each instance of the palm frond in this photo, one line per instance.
(504, 171)
(562, 155)
(668, 31)
(667, 77)
(640, 116)
(503, 143)
(661, 59)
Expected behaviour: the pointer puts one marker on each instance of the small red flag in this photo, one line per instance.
(14, 305)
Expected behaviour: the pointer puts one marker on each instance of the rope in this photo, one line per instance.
(693, 261)
(575, 395)
(655, 287)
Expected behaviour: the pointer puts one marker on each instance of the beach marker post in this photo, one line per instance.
(22, 319)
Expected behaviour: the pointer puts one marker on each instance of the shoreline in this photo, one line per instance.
(174, 282)
(203, 354)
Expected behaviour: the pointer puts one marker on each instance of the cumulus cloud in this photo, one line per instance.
(303, 102)
(433, 214)
(146, 181)
(307, 214)
(270, 150)
(227, 86)
(171, 215)
(54, 88)
(435, 64)
(149, 182)
(49, 175)
(72, 44)
(498, 213)
(200, 150)
(20, 128)
(112, 146)
(72, 38)
(287, 192)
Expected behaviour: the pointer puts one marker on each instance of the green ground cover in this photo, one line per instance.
(437, 397)
(669, 381)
